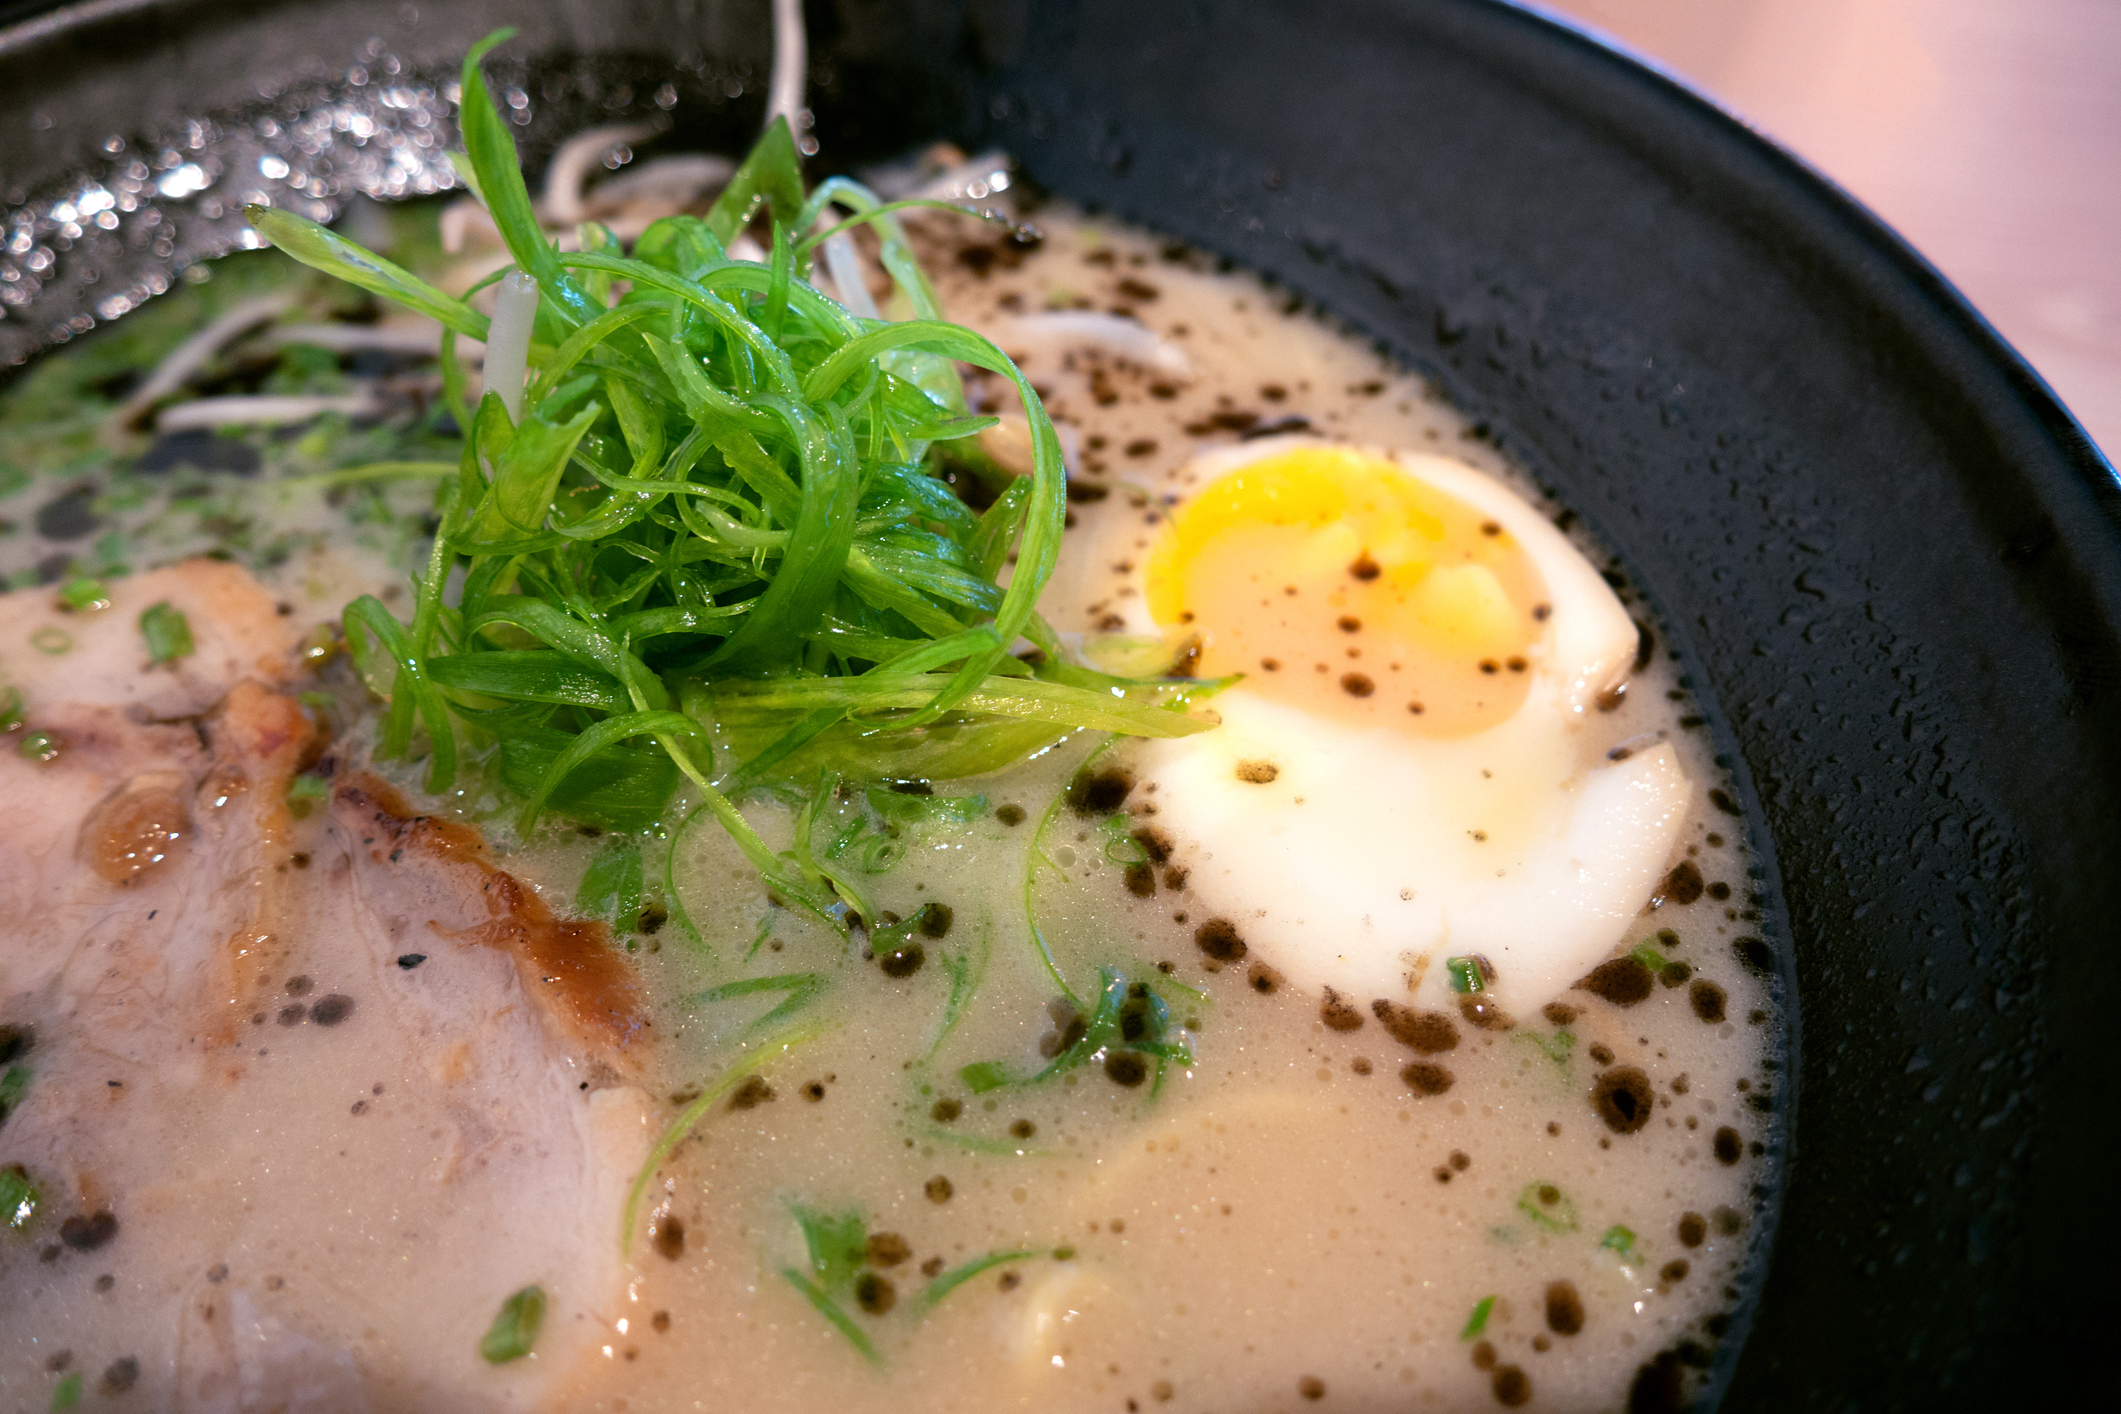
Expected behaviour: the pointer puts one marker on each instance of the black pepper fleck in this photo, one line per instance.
(1126, 1068)
(1218, 938)
(86, 1234)
(1338, 1013)
(875, 1294)
(1623, 1099)
(1727, 1146)
(1425, 1078)
(1564, 1308)
(332, 1010)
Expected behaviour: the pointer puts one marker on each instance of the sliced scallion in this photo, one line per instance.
(1548, 1207)
(18, 1198)
(611, 886)
(14, 1084)
(515, 1327)
(949, 1281)
(84, 596)
(305, 794)
(1555, 1048)
(710, 507)
(168, 633)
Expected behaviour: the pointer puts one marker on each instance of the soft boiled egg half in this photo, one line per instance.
(1404, 777)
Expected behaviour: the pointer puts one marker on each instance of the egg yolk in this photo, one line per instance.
(1338, 582)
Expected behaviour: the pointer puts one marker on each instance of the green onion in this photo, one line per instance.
(908, 808)
(51, 641)
(515, 1327)
(949, 1281)
(1649, 957)
(38, 746)
(1130, 1016)
(674, 1133)
(966, 971)
(1555, 1048)
(1621, 1240)
(1478, 1321)
(716, 512)
(67, 1393)
(305, 793)
(13, 1086)
(168, 633)
(1548, 1207)
(84, 596)
(982, 1076)
(838, 1246)
(10, 708)
(18, 1198)
(828, 1308)
(1465, 974)
(611, 887)
(802, 989)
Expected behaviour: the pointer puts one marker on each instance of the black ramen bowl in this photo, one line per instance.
(1888, 557)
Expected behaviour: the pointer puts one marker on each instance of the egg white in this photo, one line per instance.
(1373, 855)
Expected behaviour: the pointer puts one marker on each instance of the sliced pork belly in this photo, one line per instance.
(308, 1099)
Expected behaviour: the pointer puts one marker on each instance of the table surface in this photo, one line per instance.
(1987, 132)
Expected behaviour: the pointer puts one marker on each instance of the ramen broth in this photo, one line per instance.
(903, 1202)
(1287, 1219)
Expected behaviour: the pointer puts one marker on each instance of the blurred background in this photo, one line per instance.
(1987, 132)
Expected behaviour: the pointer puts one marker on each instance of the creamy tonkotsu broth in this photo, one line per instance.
(393, 1063)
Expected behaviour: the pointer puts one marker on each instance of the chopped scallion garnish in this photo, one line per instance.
(1649, 957)
(825, 1306)
(980, 1077)
(611, 887)
(38, 746)
(839, 1250)
(84, 596)
(1548, 1207)
(1478, 1321)
(18, 1198)
(1465, 975)
(168, 633)
(305, 793)
(515, 1327)
(1555, 1048)
(802, 989)
(1130, 1019)
(949, 1281)
(712, 506)
(67, 1393)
